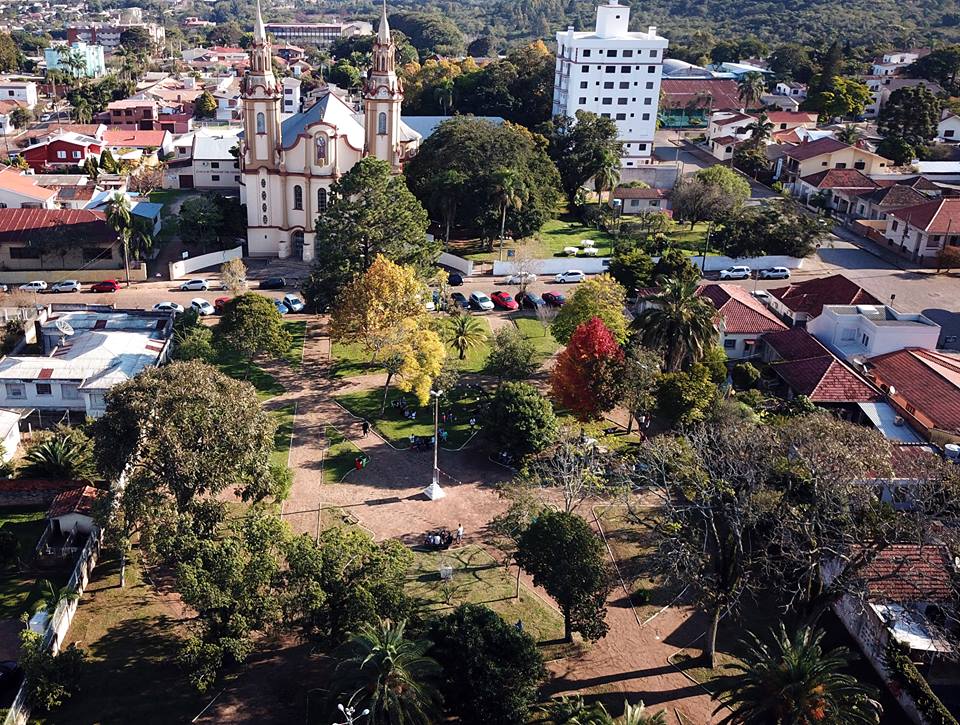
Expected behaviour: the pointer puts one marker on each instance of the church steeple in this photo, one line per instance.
(260, 56)
(382, 96)
(261, 98)
(383, 32)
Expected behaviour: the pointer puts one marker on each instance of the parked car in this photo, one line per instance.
(281, 308)
(521, 278)
(293, 303)
(202, 306)
(480, 301)
(455, 280)
(571, 275)
(242, 280)
(775, 273)
(504, 301)
(762, 295)
(10, 674)
(554, 299)
(460, 300)
(195, 284)
(168, 307)
(529, 300)
(38, 285)
(219, 303)
(273, 283)
(4, 288)
(105, 285)
(65, 285)
(735, 273)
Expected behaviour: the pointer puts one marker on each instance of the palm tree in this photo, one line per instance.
(795, 682)
(751, 88)
(383, 671)
(82, 112)
(465, 333)
(607, 176)
(638, 715)
(511, 193)
(121, 221)
(444, 95)
(849, 134)
(572, 711)
(760, 130)
(679, 321)
(59, 456)
(51, 595)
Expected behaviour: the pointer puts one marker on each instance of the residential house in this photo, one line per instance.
(895, 61)
(205, 159)
(882, 86)
(921, 232)
(725, 131)
(89, 58)
(834, 189)
(290, 53)
(789, 120)
(827, 153)
(791, 89)
(742, 319)
(73, 191)
(883, 200)
(146, 211)
(229, 106)
(860, 331)
(44, 131)
(108, 34)
(132, 113)
(299, 67)
(21, 191)
(924, 386)
(138, 146)
(948, 130)
(799, 302)
(291, 96)
(7, 127)
(57, 239)
(97, 348)
(64, 150)
(783, 103)
(691, 101)
(23, 92)
(641, 201)
(74, 511)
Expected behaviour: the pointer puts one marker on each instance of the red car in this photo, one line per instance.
(504, 301)
(107, 285)
(219, 303)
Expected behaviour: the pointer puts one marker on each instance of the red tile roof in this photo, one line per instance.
(825, 379)
(733, 118)
(133, 138)
(31, 225)
(795, 344)
(840, 179)
(715, 94)
(35, 485)
(742, 313)
(812, 149)
(897, 196)
(810, 296)
(941, 216)
(903, 573)
(928, 380)
(78, 500)
(791, 117)
(629, 192)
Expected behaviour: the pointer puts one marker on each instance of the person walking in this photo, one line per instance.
(365, 426)
(459, 534)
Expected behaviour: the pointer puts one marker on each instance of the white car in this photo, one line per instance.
(775, 273)
(38, 285)
(571, 275)
(521, 278)
(66, 285)
(762, 295)
(480, 301)
(195, 284)
(202, 306)
(168, 307)
(293, 303)
(735, 273)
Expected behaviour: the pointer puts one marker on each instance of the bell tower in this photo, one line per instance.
(262, 98)
(382, 96)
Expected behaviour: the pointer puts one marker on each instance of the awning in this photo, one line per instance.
(884, 418)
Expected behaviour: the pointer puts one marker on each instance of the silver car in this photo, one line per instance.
(775, 273)
(66, 285)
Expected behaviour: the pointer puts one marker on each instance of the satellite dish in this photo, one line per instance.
(64, 327)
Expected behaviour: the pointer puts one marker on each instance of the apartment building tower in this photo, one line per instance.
(614, 73)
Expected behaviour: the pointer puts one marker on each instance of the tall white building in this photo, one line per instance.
(614, 73)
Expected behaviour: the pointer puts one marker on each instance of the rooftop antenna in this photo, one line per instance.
(66, 329)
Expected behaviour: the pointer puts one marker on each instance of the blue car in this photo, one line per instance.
(529, 300)
(460, 300)
(281, 308)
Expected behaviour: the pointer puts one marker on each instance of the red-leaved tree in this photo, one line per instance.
(588, 377)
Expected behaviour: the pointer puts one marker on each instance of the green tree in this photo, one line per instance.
(607, 175)
(564, 556)
(641, 372)
(381, 670)
(136, 39)
(750, 89)
(491, 671)
(772, 229)
(759, 130)
(732, 184)
(251, 326)
(464, 332)
(205, 106)
(121, 221)
(599, 296)
(897, 149)
(679, 321)
(192, 339)
(510, 193)
(199, 221)
(20, 117)
(849, 134)
(941, 65)
(64, 454)
(792, 60)
(370, 212)
(632, 268)
(520, 419)
(684, 398)
(911, 113)
(11, 59)
(795, 681)
(512, 356)
(744, 375)
(839, 98)
(50, 680)
(674, 264)
(579, 148)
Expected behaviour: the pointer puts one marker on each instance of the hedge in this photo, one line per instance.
(900, 664)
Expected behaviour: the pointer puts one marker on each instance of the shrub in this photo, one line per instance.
(900, 664)
(9, 548)
(745, 376)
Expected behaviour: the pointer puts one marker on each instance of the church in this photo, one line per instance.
(289, 161)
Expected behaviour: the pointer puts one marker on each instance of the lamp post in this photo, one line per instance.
(436, 434)
(348, 713)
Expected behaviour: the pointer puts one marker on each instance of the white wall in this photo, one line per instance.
(192, 264)
(463, 266)
(556, 265)
(715, 264)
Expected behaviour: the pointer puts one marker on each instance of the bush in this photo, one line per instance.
(520, 420)
(745, 376)
(10, 335)
(512, 356)
(900, 664)
(50, 679)
(9, 548)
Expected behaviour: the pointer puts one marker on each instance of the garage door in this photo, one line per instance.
(186, 181)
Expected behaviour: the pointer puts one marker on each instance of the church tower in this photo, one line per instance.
(262, 98)
(382, 96)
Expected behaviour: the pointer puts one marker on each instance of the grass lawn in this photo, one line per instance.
(461, 403)
(567, 231)
(267, 386)
(131, 638)
(339, 455)
(298, 331)
(18, 591)
(687, 239)
(533, 331)
(479, 579)
(284, 418)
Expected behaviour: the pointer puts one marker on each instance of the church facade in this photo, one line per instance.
(289, 162)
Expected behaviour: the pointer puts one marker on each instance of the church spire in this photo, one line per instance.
(259, 32)
(383, 32)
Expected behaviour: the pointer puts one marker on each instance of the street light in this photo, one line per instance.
(348, 712)
(436, 434)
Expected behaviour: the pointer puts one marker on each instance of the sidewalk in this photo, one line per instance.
(878, 251)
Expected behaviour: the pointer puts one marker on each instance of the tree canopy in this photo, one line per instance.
(589, 374)
(579, 147)
(599, 296)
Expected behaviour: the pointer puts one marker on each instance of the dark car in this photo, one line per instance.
(455, 280)
(10, 674)
(273, 283)
(554, 299)
(460, 300)
(107, 285)
(529, 300)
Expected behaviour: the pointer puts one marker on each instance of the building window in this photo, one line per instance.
(263, 185)
(624, 84)
(948, 133)
(321, 200)
(69, 391)
(607, 102)
(44, 389)
(608, 84)
(861, 165)
(584, 84)
(24, 253)
(651, 69)
(215, 177)
(214, 164)
(621, 101)
(61, 154)
(621, 117)
(92, 254)
(581, 100)
(624, 69)
(261, 123)
(320, 146)
(76, 154)
(611, 53)
(841, 165)
(298, 197)
(653, 53)
(642, 146)
(610, 69)
(645, 117)
(649, 85)
(16, 390)
(382, 124)
(628, 54)
(729, 344)
(586, 53)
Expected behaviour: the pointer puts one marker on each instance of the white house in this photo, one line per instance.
(791, 89)
(205, 159)
(291, 95)
(21, 191)
(921, 231)
(948, 130)
(867, 330)
(892, 63)
(73, 512)
(24, 92)
(615, 73)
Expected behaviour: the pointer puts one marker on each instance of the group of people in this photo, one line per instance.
(443, 538)
(408, 411)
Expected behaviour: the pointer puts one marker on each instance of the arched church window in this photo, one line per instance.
(261, 123)
(321, 200)
(321, 150)
(263, 185)
(298, 197)
(382, 124)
